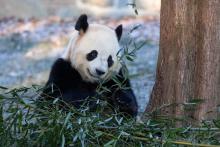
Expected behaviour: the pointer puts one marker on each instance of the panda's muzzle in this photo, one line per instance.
(97, 77)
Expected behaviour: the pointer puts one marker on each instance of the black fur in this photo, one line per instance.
(110, 61)
(118, 32)
(82, 23)
(92, 55)
(72, 89)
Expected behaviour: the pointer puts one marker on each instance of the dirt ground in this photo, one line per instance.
(29, 47)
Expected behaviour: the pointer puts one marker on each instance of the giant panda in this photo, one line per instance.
(91, 57)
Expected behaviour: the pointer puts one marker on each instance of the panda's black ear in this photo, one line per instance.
(118, 32)
(82, 23)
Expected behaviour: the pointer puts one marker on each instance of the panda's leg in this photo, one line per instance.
(126, 100)
(124, 97)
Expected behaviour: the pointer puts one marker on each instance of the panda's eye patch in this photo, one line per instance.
(92, 55)
(110, 61)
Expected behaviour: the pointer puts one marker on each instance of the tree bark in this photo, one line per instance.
(188, 66)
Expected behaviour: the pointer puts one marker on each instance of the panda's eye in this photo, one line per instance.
(110, 61)
(92, 55)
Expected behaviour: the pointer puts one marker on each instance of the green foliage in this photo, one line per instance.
(22, 123)
(133, 5)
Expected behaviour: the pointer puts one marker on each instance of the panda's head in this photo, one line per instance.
(93, 50)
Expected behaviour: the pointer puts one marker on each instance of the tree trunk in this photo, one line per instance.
(188, 66)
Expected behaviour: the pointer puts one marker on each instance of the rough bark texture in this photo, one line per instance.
(189, 59)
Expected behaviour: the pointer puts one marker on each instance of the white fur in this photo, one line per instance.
(99, 38)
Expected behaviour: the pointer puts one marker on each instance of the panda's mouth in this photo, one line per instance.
(92, 74)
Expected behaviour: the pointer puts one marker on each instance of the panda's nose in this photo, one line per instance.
(99, 72)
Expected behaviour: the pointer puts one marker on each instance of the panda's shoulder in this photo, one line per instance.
(61, 66)
(62, 71)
